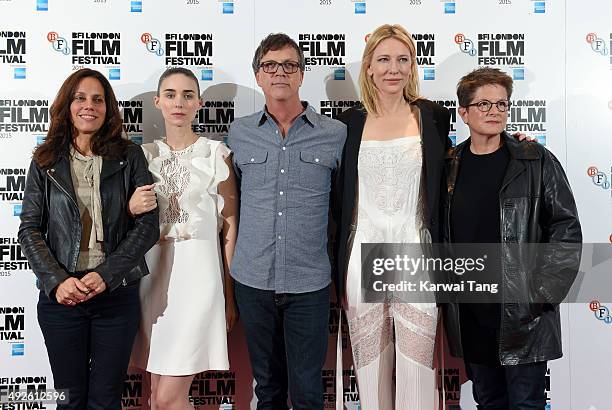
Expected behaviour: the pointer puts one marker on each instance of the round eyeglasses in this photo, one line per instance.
(486, 105)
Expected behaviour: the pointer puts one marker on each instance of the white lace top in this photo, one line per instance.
(389, 180)
(186, 186)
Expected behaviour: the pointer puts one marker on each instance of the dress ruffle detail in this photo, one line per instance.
(200, 198)
(222, 172)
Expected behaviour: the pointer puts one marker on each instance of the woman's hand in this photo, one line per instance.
(231, 314)
(143, 200)
(94, 283)
(521, 137)
(71, 292)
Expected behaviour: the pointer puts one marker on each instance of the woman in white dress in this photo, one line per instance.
(188, 299)
(390, 193)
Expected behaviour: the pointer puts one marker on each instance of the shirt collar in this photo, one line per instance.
(308, 115)
(77, 155)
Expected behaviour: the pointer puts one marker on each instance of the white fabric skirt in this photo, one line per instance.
(182, 331)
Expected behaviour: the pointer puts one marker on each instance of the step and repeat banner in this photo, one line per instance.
(557, 51)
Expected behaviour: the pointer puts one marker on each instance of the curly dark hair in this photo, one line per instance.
(107, 142)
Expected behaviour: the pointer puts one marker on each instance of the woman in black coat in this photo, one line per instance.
(390, 187)
(84, 248)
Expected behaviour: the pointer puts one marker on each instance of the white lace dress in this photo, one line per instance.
(183, 309)
(385, 336)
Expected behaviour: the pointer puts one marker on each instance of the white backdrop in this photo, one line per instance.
(558, 52)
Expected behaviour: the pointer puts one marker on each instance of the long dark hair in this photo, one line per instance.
(107, 142)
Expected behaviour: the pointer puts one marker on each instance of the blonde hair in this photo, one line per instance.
(369, 92)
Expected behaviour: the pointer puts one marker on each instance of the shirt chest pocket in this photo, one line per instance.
(315, 170)
(253, 169)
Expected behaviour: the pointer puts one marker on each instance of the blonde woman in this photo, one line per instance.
(391, 179)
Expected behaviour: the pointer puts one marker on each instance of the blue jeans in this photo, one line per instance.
(89, 345)
(517, 387)
(287, 336)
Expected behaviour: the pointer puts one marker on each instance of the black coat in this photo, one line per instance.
(50, 230)
(536, 206)
(435, 123)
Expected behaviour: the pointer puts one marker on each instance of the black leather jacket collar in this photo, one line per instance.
(536, 206)
(50, 229)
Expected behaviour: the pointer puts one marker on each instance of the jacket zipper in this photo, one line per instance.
(502, 205)
(76, 251)
(61, 188)
(124, 281)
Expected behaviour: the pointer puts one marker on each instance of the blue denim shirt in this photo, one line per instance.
(285, 186)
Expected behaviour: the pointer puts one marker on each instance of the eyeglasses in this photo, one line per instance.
(485, 105)
(271, 67)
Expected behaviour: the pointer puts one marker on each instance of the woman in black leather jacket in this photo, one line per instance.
(85, 250)
(518, 196)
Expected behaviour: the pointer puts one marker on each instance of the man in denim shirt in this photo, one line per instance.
(286, 157)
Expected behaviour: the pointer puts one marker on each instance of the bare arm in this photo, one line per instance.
(228, 190)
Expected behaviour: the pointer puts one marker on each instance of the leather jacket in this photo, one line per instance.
(50, 230)
(536, 206)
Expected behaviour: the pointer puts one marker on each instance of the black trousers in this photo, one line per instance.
(89, 345)
(287, 336)
(518, 387)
